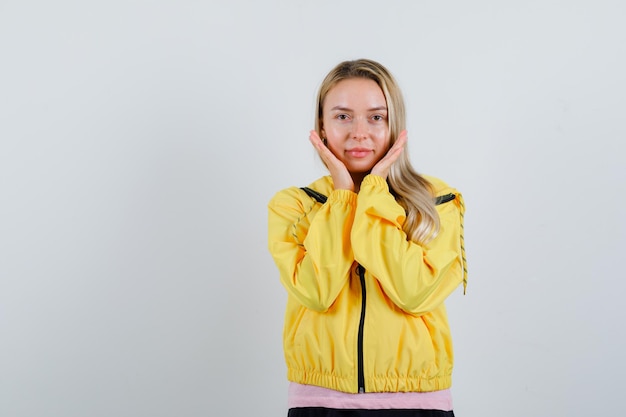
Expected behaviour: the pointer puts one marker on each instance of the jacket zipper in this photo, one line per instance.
(361, 374)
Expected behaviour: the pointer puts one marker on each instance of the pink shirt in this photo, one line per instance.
(312, 396)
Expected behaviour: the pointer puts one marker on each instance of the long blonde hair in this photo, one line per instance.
(412, 191)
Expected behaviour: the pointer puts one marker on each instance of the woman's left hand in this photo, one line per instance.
(382, 167)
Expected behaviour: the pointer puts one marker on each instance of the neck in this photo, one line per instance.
(357, 178)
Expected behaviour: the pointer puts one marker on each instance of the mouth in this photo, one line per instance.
(359, 152)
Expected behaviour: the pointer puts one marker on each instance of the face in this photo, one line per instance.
(355, 123)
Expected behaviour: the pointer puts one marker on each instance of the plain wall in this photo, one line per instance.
(140, 142)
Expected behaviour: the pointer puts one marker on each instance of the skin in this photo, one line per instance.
(356, 127)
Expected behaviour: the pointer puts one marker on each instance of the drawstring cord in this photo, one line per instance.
(461, 204)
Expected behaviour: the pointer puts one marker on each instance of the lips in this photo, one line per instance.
(359, 152)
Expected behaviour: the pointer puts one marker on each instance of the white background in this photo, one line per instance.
(140, 142)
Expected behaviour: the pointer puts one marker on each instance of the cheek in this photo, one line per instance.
(332, 130)
(335, 146)
(383, 138)
(334, 139)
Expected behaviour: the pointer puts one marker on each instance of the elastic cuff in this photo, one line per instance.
(375, 181)
(342, 196)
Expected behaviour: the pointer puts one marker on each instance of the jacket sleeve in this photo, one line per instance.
(313, 259)
(417, 278)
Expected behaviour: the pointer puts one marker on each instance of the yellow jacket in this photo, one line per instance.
(365, 308)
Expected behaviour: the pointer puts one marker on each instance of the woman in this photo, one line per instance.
(368, 255)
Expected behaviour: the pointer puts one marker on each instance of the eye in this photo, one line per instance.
(378, 118)
(342, 117)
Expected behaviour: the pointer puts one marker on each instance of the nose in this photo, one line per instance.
(359, 129)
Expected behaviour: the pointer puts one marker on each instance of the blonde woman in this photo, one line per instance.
(368, 254)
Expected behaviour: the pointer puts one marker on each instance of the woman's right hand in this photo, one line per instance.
(342, 179)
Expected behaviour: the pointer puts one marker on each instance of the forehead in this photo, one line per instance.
(355, 92)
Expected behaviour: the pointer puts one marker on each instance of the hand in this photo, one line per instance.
(382, 167)
(342, 179)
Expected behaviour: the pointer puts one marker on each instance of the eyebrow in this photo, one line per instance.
(341, 108)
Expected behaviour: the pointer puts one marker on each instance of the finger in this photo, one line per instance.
(383, 166)
(397, 149)
(400, 141)
(329, 159)
(319, 146)
(398, 146)
(315, 139)
(338, 171)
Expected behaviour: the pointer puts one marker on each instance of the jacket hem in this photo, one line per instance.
(310, 377)
(377, 384)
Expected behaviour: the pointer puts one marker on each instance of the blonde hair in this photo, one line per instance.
(412, 191)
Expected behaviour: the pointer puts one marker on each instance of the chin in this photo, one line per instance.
(360, 168)
(360, 172)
